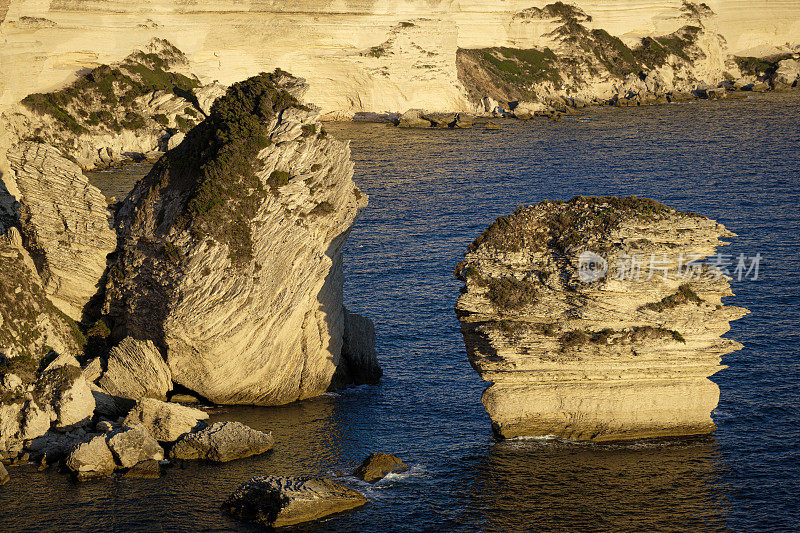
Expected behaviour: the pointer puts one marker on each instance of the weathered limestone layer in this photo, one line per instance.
(357, 55)
(598, 354)
(65, 224)
(104, 117)
(229, 254)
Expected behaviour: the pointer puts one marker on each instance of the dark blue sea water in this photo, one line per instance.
(431, 193)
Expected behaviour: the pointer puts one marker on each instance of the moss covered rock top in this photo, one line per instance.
(560, 226)
(104, 99)
(213, 171)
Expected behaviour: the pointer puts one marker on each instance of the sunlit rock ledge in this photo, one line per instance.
(596, 359)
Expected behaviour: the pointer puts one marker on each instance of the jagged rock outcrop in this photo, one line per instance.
(229, 253)
(166, 422)
(222, 442)
(108, 115)
(574, 344)
(30, 325)
(135, 369)
(65, 224)
(92, 459)
(275, 501)
(132, 445)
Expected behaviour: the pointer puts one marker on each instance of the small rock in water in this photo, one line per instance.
(223, 441)
(4, 477)
(377, 466)
(492, 126)
(276, 501)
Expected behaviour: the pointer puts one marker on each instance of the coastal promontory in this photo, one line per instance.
(229, 253)
(597, 319)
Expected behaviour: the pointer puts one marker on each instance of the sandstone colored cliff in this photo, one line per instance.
(229, 254)
(357, 55)
(111, 114)
(617, 354)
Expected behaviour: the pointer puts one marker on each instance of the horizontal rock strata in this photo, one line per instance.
(358, 56)
(596, 354)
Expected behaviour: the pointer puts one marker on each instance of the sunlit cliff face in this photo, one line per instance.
(331, 43)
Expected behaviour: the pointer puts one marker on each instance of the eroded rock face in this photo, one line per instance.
(92, 459)
(29, 323)
(596, 354)
(275, 501)
(133, 445)
(221, 442)
(166, 422)
(67, 394)
(65, 222)
(136, 370)
(229, 253)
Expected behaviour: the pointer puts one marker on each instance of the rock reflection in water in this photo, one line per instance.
(547, 485)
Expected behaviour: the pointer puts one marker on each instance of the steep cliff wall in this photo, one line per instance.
(595, 347)
(229, 253)
(357, 55)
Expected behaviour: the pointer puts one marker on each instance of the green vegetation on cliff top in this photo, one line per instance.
(560, 225)
(93, 99)
(214, 168)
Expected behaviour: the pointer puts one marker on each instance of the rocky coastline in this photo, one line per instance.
(240, 223)
(218, 280)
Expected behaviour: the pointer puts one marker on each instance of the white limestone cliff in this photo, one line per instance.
(604, 353)
(46, 43)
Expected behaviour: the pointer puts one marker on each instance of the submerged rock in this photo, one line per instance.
(560, 315)
(378, 465)
(166, 422)
(229, 254)
(4, 477)
(150, 469)
(275, 501)
(223, 441)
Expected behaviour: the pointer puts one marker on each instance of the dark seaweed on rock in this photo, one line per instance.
(213, 170)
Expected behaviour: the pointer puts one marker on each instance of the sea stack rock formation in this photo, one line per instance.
(229, 252)
(593, 319)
